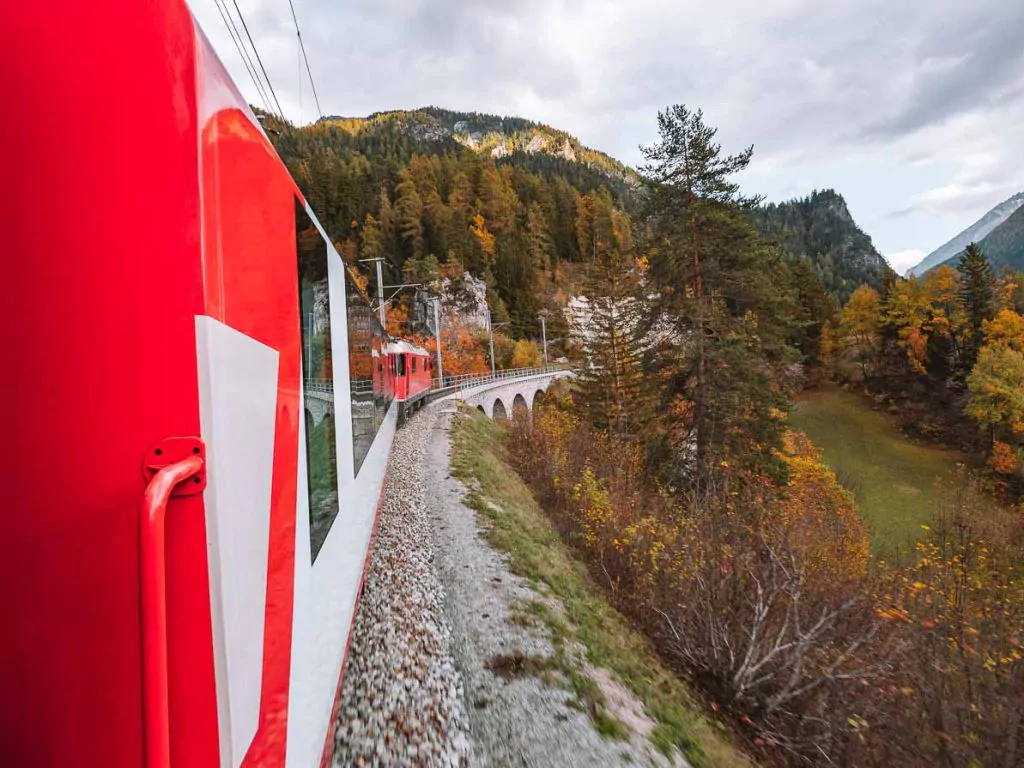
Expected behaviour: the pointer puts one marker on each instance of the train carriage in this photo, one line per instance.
(196, 460)
(412, 370)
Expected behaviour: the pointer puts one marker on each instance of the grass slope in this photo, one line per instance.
(519, 527)
(893, 479)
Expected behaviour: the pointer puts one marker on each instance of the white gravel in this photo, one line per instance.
(401, 701)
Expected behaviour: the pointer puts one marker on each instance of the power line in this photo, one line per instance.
(302, 47)
(258, 59)
(236, 38)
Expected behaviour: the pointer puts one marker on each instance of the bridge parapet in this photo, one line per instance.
(466, 380)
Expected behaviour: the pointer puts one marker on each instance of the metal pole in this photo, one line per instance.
(490, 330)
(544, 335)
(380, 294)
(437, 340)
(309, 348)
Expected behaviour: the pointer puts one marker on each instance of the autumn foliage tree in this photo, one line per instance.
(860, 323)
(756, 592)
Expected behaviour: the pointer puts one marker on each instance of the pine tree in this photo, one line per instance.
(814, 308)
(538, 238)
(977, 293)
(386, 220)
(409, 217)
(611, 391)
(370, 238)
(719, 287)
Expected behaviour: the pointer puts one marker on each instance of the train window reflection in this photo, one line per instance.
(367, 380)
(317, 371)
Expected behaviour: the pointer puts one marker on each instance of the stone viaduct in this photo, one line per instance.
(499, 398)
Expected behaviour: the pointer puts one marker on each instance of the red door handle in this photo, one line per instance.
(153, 577)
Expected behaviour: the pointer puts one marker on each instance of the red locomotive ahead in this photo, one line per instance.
(201, 408)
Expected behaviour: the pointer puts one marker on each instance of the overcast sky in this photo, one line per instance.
(912, 109)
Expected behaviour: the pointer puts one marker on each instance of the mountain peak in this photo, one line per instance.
(821, 227)
(494, 136)
(974, 233)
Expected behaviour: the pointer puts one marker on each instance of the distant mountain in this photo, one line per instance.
(973, 234)
(499, 137)
(821, 227)
(1004, 245)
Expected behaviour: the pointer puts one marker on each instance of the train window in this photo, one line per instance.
(414, 364)
(317, 371)
(399, 365)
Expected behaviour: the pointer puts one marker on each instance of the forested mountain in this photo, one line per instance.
(973, 234)
(495, 136)
(1004, 245)
(821, 228)
(418, 189)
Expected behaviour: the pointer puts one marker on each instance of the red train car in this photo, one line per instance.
(200, 410)
(411, 366)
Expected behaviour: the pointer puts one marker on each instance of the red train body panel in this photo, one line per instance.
(171, 282)
(411, 366)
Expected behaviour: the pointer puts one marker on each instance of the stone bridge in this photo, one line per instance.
(319, 402)
(505, 394)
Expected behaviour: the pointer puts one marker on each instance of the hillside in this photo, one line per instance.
(821, 227)
(495, 136)
(430, 199)
(973, 234)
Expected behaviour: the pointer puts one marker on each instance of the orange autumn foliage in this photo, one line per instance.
(398, 320)
(1005, 331)
(485, 238)
(819, 517)
(461, 351)
(1004, 459)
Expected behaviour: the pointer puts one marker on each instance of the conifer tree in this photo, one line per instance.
(611, 390)
(409, 217)
(370, 238)
(538, 238)
(977, 292)
(814, 308)
(718, 286)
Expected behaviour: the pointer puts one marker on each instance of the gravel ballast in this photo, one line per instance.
(401, 699)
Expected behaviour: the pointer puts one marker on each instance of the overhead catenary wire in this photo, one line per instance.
(255, 50)
(302, 47)
(236, 38)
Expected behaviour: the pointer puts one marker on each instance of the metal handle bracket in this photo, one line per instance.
(172, 467)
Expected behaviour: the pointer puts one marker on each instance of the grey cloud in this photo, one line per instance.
(806, 82)
(990, 72)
